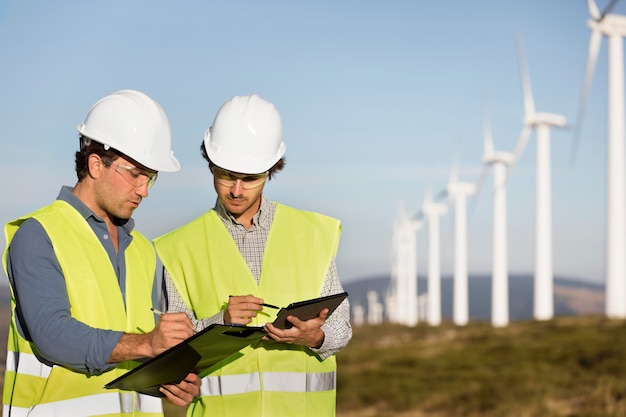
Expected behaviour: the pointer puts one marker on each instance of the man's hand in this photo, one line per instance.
(242, 309)
(306, 333)
(171, 329)
(182, 393)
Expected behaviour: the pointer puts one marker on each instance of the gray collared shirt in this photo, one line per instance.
(43, 308)
(251, 244)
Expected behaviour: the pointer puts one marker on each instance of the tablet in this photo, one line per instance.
(308, 309)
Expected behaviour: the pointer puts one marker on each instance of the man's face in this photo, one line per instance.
(240, 193)
(122, 187)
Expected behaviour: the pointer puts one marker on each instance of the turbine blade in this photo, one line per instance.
(529, 102)
(419, 215)
(454, 170)
(479, 186)
(487, 137)
(428, 198)
(594, 49)
(593, 10)
(521, 143)
(441, 195)
(608, 8)
(402, 215)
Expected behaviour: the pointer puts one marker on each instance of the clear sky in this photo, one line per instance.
(375, 97)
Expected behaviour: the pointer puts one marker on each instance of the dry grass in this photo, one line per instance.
(571, 366)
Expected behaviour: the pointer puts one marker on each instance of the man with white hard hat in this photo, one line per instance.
(223, 266)
(83, 280)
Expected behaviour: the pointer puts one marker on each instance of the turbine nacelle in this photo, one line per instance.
(433, 209)
(455, 189)
(549, 119)
(610, 25)
(495, 157)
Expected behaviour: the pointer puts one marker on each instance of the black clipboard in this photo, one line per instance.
(196, 354)
(308, 309)
(211, 345)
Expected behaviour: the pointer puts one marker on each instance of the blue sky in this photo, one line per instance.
(375, 97)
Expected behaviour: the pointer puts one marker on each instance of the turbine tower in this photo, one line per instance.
(402, 301)
(374, 308)
(457, 192)
(499, 163)
(431, 212)
(614, 28)
(541, 123)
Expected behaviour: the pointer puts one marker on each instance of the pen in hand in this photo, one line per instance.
(265, 304)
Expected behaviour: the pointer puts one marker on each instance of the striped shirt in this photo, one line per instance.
(251, 244)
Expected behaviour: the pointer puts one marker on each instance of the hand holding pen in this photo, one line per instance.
(170, 330)
(244, 308)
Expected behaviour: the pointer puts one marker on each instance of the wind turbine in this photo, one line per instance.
(541, 123)
(457, 192)
(374, 308)
(431, 211)
(614, 28)
(402, 302)
(499, 162)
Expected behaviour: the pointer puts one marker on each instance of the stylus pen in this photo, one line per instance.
(266, 305)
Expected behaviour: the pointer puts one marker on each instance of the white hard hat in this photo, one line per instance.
(135, 125)
(246, 136)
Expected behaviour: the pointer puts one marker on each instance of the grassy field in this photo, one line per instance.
(571, 366)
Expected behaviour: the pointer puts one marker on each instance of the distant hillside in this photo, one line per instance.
(571, 297)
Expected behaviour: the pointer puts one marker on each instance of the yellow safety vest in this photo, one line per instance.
(31, 388)
(272, 379)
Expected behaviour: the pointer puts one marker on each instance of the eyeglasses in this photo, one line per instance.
(229, 179)
(134, 176)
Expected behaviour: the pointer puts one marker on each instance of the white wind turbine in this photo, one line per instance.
(402, 300)
(374, 308)
(431, 211)
(457, 192)
(499, 163)
(541, 123)
(614, 28)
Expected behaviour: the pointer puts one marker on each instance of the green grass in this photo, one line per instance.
(571, 366)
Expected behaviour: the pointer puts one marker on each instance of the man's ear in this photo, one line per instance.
(95, 165)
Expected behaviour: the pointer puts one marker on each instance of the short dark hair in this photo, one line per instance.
(278, 166)
(88, 147)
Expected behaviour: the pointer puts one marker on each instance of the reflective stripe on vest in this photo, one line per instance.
(110, 403)
(272, 381)
(28, 364)
(230, 384)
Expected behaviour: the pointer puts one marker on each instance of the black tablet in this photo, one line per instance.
(308, 309)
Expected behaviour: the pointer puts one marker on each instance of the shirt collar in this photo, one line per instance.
(68, 196)
(261, 218)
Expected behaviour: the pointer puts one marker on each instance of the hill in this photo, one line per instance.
(571, 297)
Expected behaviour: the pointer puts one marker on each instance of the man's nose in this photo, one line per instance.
(142, 190)
(237, 188)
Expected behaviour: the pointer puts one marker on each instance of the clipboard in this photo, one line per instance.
(196, 354)
(308, 309)
(211, 345)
